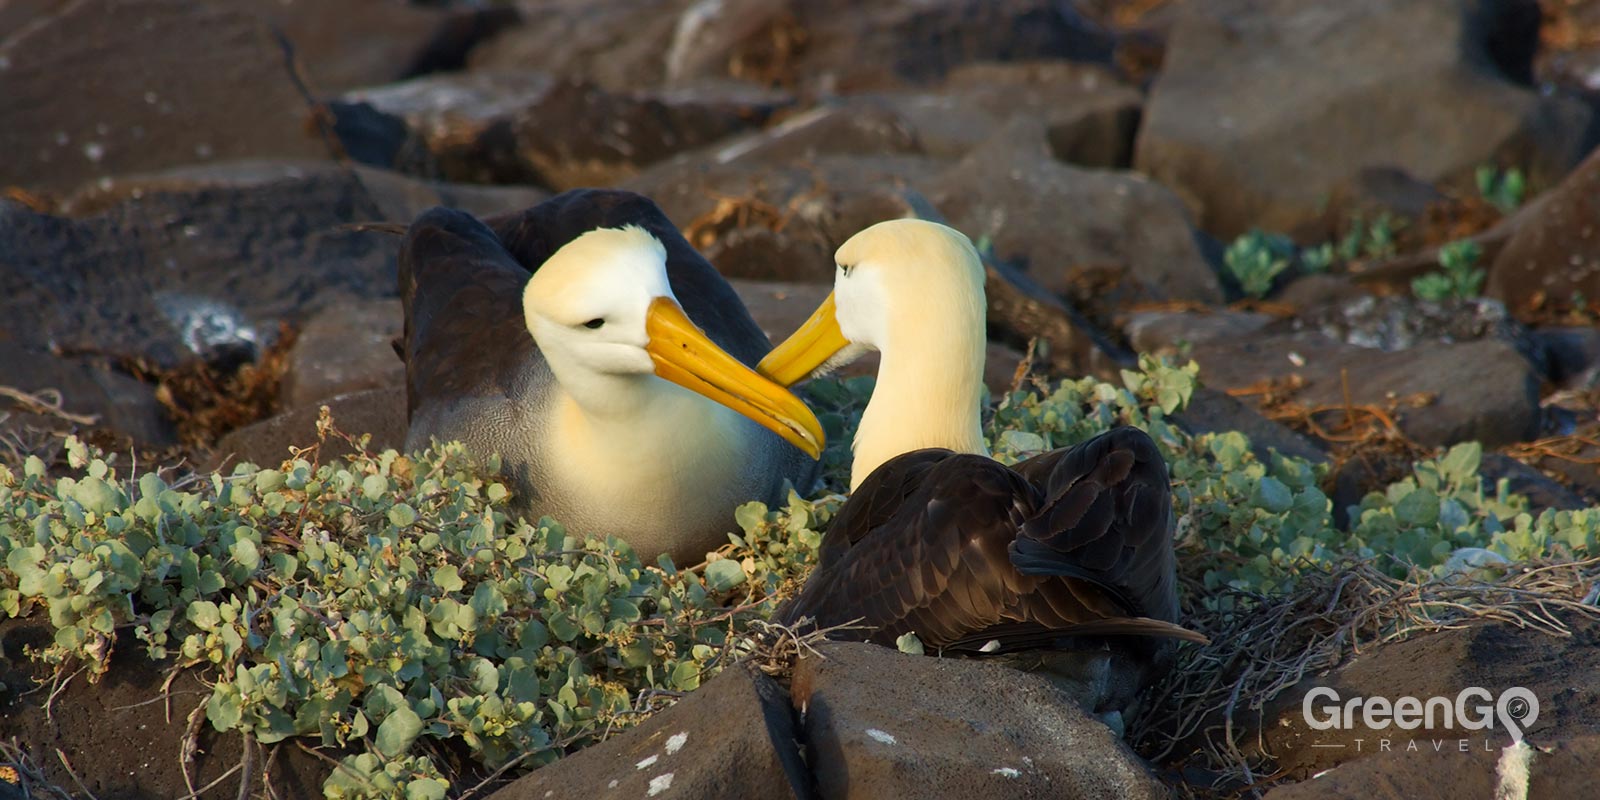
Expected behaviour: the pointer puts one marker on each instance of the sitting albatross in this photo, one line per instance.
(564, 339)
(1069, 550)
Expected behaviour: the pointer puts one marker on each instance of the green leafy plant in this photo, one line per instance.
(1374, 238)
(1503, 190)
(1251, 524)
(1461, 278)
(1256, 259)
(1315, 260)
(381, 604)
(389, 605)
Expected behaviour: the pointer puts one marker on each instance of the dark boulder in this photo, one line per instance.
(1264, 108)
(193, 82)
(1453, 402)
(1065, 224)
(1554, 250)
(1558, 671)
(347, 347)
(398, 39)
(166, 276)
(1090, 115)
(831, 45)
(732, 738)
(89, 389)
(885, 725)
(562, 133)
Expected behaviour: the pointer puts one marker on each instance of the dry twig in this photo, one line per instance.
(47, 402)
(26, 774)
(67, 765)
(1263, 645)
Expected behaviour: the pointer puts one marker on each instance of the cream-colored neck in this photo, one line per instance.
(929, 391)
(660, 445)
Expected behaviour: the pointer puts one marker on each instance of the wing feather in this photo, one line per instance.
(462, 294)
(964, 551)
(1116, 488)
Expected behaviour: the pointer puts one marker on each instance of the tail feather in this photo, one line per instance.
(1013, 637)
(1133, 626)
(1033, 557)
(1106, 520)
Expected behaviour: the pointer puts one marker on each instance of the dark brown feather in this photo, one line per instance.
(1070, 547)
(1108, 520)
(462, 294)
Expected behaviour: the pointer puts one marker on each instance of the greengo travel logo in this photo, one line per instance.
(1473, 709)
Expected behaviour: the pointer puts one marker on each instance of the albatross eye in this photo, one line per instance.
(594, 323)
(845, 268)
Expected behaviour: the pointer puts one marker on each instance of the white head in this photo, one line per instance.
(912, 290)
(911, 275)
(586, 306)
(605, 317)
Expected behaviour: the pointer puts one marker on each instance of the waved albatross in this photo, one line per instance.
(605, 361)
(1070, 550)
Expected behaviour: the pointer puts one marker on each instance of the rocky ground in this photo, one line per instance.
(1265, 186)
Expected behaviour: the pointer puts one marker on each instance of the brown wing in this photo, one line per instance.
(930, 542)
(882, 495)
(920, 546)
(462, 295)
(1107, 518)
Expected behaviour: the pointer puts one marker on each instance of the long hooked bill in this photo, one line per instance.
(807, 348)
(684, 355)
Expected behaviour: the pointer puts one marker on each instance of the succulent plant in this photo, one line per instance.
(391, 602)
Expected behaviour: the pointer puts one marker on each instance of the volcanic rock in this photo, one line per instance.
(193, 82)
(1263, 108)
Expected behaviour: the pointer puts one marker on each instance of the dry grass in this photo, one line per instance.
(1209, 710)
(1462, 215)
(33, 201)
(1132, 12)
(1542, 310)
(18, 768)
(206, 400)
(1576, 448)
(771, 55)
(1561, 29)
(203, 400)
(733, 213)
(777, 647)
(1346, 425)
(37, 424)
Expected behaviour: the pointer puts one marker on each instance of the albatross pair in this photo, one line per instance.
(619, 415)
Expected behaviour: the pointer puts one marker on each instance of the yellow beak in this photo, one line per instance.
(807, 348)
(685, 356)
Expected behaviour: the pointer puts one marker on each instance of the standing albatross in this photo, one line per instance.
(1069, 550)
(588, 345)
